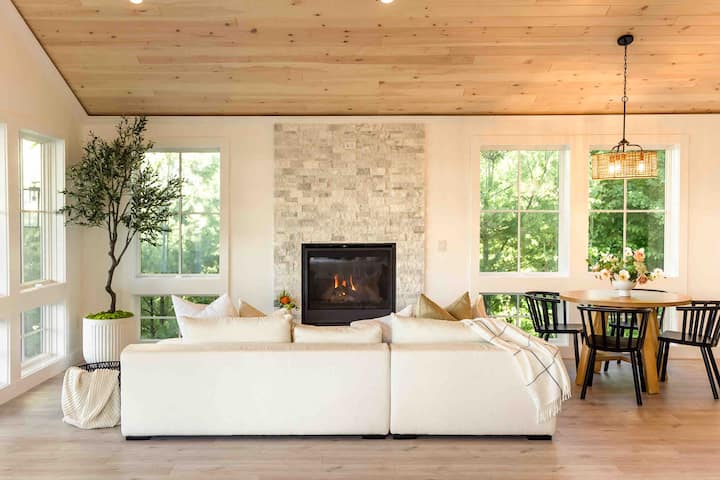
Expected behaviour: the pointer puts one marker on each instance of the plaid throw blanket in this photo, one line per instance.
(539, 363)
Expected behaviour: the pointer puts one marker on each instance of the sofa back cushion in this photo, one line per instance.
(385, 323)
(367, 333)
(272, 329)
(428, 330)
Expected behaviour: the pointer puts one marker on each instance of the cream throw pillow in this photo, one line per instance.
(273, 329)
(385, 322)
(429, 330)
(460, 309)
(479, 308)
(220, 307)
(343, 334)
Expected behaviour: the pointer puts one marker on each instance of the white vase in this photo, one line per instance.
(103, 340)
(623, 287)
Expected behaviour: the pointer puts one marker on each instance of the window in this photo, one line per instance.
(42, 170)
(520, 210)
(511, 307)
(4, 266)
(630, 213)
(157, 316)
(41, 339)
(4, 354)
(192, 245)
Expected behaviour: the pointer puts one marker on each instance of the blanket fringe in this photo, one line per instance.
(554, 408)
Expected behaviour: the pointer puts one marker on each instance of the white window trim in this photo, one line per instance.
(53, 182)
(675, 194)
(4, 243)
(54, 325)
(140, 284)
(482, 143)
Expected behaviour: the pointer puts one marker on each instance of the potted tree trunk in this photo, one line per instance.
(115, 189)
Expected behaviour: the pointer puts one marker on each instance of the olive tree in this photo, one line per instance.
(114, 188)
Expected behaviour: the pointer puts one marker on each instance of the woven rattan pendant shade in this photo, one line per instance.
(630, 164)
(625, 160)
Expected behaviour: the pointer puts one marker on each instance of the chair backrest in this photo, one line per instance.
(660, 310)
(544, 311)
(701, 322)
(600, 325)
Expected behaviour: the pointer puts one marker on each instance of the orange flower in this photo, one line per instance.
(642, 280)
(285, 300)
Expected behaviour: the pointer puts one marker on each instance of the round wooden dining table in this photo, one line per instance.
(637, 299)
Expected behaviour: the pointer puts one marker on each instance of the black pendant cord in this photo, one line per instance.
(624, 141)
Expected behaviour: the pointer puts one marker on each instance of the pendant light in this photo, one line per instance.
(624, 160)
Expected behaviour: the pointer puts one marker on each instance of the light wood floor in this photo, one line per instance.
(675, 435)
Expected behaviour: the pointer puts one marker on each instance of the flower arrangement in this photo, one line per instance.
(286, 301)
(628, 268)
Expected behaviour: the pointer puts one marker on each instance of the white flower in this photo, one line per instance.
(628, 252)
(595, 268)
(605, 274)
(658, 273)
(623, 275)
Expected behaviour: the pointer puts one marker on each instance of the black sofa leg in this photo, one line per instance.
(374, 437)
(402, 436)
(134, 438)
(539, 437)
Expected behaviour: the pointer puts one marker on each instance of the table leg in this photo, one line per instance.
(585, 354)
(650, 349)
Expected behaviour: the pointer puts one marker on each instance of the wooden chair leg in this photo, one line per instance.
(588, 374)
(710, 375)
(577, 350)
(641, 371)
(634, 362)
(714, 365)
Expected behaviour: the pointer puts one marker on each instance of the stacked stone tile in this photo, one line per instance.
(357, 183)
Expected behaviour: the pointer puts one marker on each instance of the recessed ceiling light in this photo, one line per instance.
(387, 1)
(136, 2)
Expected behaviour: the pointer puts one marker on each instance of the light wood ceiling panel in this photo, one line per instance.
(338, 57)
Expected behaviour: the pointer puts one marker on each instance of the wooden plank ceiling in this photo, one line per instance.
(340, 57)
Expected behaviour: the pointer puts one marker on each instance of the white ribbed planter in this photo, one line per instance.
(103, 340)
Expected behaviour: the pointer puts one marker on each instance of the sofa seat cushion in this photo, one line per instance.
(365, 333)
(273, 329)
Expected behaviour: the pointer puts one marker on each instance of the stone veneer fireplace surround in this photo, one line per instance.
(350, 183)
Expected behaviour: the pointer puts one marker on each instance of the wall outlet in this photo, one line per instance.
(442, 246)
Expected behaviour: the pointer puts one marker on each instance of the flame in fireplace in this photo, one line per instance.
(342, 283)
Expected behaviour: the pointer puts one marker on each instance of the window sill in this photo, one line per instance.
(34, 287)
(525, 274)
(38, 363)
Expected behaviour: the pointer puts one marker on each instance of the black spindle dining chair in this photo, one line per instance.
(600, 335)
(660, 318)
(700, 328)
(546, 318)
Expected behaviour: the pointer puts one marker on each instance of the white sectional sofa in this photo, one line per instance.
(324, 389)
(255, 389)
(460, 389)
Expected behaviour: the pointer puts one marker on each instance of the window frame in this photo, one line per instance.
(138, 284)
(671, 226)
(141, 317)
(54, 328)
(564, 147)
(181, 214)
(4, 216)
(53, 228)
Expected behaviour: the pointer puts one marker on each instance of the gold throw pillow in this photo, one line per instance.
(426, 308)
(461, 308)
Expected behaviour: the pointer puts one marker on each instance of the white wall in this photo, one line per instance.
(449, 199)
(34, 97)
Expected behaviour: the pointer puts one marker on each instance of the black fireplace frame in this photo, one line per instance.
(343, 316)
